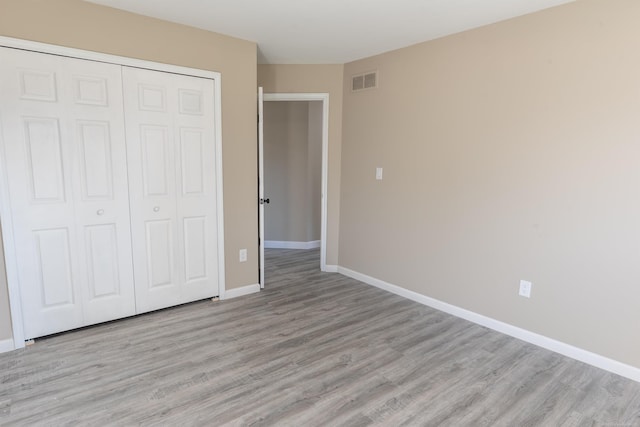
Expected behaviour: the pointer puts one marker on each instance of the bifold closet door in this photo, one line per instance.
(65, 158)
(170, 131)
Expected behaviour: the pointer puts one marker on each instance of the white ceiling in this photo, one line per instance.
(331, 31)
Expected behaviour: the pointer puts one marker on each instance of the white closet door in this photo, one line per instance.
(171, 154)
(101, 189)
(63, 141)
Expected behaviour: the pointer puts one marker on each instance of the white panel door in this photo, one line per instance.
(172, 169)
(100, 187)
(65, 157)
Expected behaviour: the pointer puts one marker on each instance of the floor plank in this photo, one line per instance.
(313, 349)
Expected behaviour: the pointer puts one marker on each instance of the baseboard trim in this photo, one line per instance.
(276, 244)
(331, 268)
(6, 345)
(242, 291)
(565, 349)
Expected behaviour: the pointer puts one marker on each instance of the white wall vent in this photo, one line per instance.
(368, 80)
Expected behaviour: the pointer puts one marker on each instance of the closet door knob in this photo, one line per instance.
(100, 211)
(156, 208)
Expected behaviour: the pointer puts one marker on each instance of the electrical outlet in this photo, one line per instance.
(379, 174)
(525, 289)
(243, 255)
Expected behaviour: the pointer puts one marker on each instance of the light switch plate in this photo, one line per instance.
(379, 174)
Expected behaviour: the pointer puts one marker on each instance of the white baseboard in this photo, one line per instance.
(565, 349)
(331, 268)
(6, 345)
(242, 291)
(276, 244)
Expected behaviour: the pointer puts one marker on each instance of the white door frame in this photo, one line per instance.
(324, 97)
(261, 186)
(5, 209)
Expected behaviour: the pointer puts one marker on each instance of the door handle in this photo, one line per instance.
(263, 201)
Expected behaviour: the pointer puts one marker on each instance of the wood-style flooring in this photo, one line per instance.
(312, 349)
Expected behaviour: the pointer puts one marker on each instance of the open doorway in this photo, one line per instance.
(293, 148)
(292, 174)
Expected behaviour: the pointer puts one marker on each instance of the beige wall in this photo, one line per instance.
(510, 152)
(316, 79)
(292, 160)
(77, 24)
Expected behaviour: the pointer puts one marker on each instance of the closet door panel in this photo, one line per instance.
(101, 189)
(96, 163)
(195, 129)
(170, 135)
(151, 162)
(101, 242)
(39, 165)
(160, 253)
(64, 148)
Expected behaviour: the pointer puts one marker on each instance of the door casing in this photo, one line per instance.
(324, 98)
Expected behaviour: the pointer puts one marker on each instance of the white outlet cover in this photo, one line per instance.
(379, 174)
(243, 255)
(525, 289)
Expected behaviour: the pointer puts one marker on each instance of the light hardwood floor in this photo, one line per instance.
(313, 349)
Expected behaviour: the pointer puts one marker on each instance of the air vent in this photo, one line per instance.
(357, 83)
(371, 80)
(368, 80)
